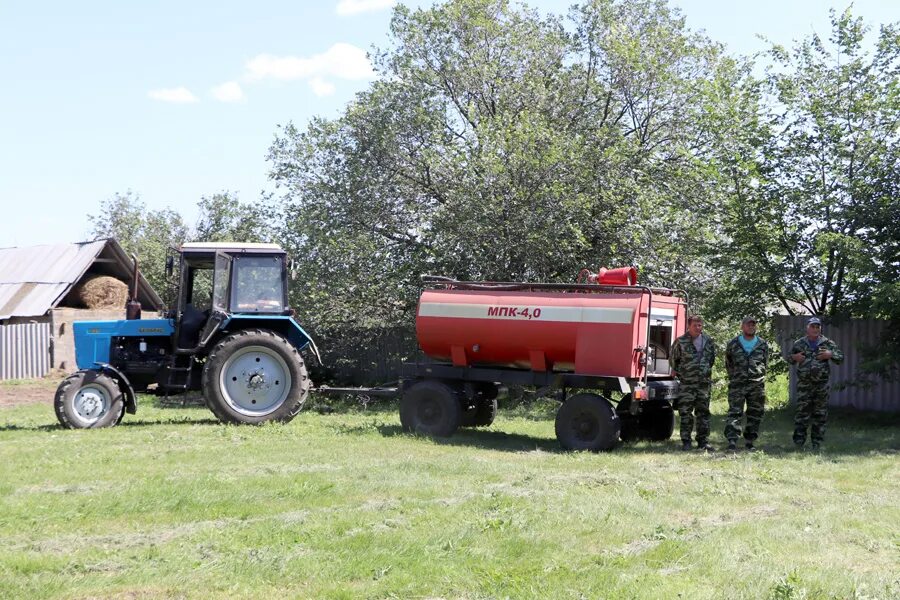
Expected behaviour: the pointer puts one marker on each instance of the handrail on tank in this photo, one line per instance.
(514, 286)
(509, 286)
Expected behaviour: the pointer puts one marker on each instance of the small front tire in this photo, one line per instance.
(89, 399)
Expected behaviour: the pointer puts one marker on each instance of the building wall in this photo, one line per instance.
(24, 348)
(850, 336)
(61, 319)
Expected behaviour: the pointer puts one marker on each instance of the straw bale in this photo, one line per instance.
(101, 292)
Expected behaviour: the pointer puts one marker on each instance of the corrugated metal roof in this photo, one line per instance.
(35, 279)
(57, 263)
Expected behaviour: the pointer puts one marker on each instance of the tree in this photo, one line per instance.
(224, 218)
(146, 233)
(811, 212)
(501, 145)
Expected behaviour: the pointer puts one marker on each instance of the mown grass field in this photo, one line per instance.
(172, 504)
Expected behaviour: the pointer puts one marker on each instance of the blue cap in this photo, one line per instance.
(814, 321)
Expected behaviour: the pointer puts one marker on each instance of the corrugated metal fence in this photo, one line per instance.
(24, 350)
(850, 336)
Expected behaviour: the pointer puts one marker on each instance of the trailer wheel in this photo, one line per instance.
(587, 422)
(485, 413)
(89, 400)
(483, 410)
(659, 423)
(255, 376)
(430, 408)
(656, 422)
(628, 423)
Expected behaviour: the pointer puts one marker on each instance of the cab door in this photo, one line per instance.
(221, 293)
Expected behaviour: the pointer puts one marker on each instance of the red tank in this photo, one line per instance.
(591, 329)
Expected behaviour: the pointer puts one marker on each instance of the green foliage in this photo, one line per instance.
(224, 218)
(148, 234)
(502, 145)
(809, 170)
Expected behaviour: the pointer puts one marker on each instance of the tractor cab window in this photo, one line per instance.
(200, 290)
(259, 284)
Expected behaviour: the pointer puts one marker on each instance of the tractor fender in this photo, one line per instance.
(123, 383)
(286, 325)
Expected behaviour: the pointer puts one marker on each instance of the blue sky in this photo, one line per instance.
(176, 100)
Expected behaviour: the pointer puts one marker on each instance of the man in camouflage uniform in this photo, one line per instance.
(812, 355)
(692, 356)
(746, 359)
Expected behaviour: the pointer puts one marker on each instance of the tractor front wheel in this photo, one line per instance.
(254, 376)
(89, 400)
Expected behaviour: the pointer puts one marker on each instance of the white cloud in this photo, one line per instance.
(346, 8)
(343, 61)
(230, 91)
(320, 87)
(179, 95)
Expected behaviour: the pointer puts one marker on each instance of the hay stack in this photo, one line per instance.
(101, 292)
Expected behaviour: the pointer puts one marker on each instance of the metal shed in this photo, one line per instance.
(850, 336)
(35, 323)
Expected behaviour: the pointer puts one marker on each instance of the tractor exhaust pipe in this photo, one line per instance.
(133, 307)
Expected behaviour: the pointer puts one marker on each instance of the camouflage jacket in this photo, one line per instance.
(688, 366)
(812, 370)
(743, 367)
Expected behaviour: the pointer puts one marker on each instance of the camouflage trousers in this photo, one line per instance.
(753, 395)
(693, 401)
(812, 405)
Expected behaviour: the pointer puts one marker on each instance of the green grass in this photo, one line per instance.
(343, 505)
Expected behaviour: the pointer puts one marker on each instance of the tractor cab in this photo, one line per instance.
(220, 280)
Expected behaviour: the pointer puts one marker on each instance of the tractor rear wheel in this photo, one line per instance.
(430, 408)
(587, 422)
(89, 400)
(254, 376)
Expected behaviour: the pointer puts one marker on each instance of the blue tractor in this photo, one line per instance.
(231, 335)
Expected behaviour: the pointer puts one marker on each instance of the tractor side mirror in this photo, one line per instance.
(170, 265)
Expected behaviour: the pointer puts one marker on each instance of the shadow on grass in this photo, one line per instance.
(489, 439)
(849, 433)
(11, 427)
(171, 421)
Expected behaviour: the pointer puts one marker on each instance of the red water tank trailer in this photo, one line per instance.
(600, 328)
(604, 334)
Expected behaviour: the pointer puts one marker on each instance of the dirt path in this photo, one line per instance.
(33, 391)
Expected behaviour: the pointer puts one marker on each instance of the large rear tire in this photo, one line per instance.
(430, 408)
(89, 400)
(255, 376)
(587, 422)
